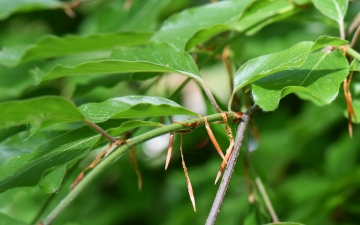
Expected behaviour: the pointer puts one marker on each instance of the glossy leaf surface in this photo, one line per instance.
(261, 10)
(28, 169)
(155, 57)
(334, 9)
(53, 46)
(38, 111)
(179, 28)
(132, 107)
(320, 76)
(293, 57)
(20, 143)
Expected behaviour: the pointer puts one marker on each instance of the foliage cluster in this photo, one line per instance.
(75, 75)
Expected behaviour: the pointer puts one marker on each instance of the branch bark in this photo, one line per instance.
(219, 198)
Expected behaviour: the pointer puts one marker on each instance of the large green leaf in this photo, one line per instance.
(20, 143)
(212, 18)
(132, 107)
(155, 57)
(320, 76)
(28, 169)
(334, 9)
(293, 57)
(261, 10)
(38, 112)
(53, 46)
(9, 7)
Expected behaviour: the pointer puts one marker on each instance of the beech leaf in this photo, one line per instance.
(293, 57)
(155, 57)
(53, 46)
(181, 27)
(41, 111)
(320, 76)
(334, 9)
(132, 107)
(260, 11)
(28, 169)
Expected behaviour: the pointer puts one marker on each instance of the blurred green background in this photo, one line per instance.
(303, 153)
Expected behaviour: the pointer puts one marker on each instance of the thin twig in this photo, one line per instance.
(266, 200)
(219, 198)
(210, 96)
(101, 131)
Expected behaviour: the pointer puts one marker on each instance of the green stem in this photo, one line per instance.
(353, 53)
(130, 143)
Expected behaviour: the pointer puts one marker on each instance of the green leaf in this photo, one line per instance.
(9, 7)
(155, 57)
(126, 126)
(28, 169)
(53, 46)
(260, 11)
(293, 57)
(334, 9)
(355, 66)
(20, 143)
(284, 223)
(41, 111)
(179, 28)
(51, 182)
(320, 76)
(288, 12)
(7, 220)
(132, 107)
